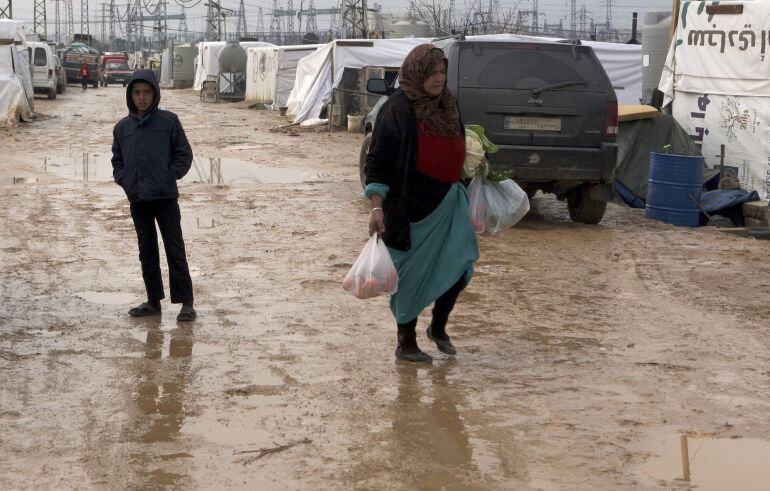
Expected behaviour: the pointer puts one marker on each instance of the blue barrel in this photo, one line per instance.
(675, 180)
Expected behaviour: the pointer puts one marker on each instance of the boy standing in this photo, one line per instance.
(149, 153)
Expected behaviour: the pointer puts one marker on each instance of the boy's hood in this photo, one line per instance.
(143, 76)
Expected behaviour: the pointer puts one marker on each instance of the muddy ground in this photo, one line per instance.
(584, 351)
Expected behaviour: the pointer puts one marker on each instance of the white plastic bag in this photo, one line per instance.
(496, 206)
(507, 203)
(477, 205)
(373, 273)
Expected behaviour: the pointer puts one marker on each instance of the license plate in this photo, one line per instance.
(532, 124)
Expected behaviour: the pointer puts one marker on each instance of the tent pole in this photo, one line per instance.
(674, 18)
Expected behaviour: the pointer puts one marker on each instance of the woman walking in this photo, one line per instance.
(84, 74)
(419, 205)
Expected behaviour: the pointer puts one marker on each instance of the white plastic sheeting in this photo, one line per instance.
(271, 71)
(207, 62)
(14, 97)
(319, 73)
(622, 62)
(717, 79)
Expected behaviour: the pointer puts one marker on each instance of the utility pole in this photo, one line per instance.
(275, 24)
(84, 23)
(240, 21)
(535, 17)
(573, 17)
(214, 21)
(161, 25)
(609, 19)
(355, 19)
(183, 26)
(112, 25)
(6, 9)
(312, 23)
(103, 39)
(583, 17)
(260, 21)
(70, 21)
(56, 20)
(39, 24)
(290, 18)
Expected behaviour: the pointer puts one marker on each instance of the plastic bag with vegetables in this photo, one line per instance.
(373, 273)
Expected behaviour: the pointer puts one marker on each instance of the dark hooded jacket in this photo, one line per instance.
(151, 152)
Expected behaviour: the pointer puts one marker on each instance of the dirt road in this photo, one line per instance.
(586, 352)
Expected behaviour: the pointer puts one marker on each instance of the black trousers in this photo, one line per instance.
(442, 307)
(84, 81)
(166, 212)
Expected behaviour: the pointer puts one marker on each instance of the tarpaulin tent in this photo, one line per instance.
(207, 62)
(14, 99)
(717, 80)
(318, 74)
(271, 71)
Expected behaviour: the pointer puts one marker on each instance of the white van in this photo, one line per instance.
(43, 68)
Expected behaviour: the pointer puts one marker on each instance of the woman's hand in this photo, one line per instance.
(376, 221)
(377, 217)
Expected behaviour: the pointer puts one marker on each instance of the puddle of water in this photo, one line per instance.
(107, 298)
(711, 463)
(92, 167)
(16, 181)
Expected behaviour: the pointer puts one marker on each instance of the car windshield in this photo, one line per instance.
(117, 66)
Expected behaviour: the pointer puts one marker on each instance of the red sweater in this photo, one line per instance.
(440, 157)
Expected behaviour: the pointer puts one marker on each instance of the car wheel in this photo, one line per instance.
(106, 83)
(362, 159)
(583, 209)
(95, 85)
(51, 93)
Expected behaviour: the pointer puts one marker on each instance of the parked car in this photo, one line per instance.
(115, 72)
(61, 76)
(43, 68)
(73, 58)
(551, 109)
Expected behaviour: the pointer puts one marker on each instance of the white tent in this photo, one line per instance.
(318, 74)
(271, 71)
(14, 99)
(207, 62)
(719, 87)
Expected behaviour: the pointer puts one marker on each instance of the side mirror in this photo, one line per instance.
(378, 86)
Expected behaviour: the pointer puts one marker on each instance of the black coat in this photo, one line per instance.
(392, 160)
(151, 152)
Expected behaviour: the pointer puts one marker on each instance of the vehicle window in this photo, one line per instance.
(40, 58)
(502, 68)
(117, 66)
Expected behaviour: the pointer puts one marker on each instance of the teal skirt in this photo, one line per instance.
(443, 250)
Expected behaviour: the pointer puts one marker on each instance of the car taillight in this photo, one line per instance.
(50, 73)
(611, 120)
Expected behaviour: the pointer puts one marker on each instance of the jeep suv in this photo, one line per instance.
(549, 106)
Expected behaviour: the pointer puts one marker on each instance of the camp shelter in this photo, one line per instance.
(14, 98)
(717, 81)
(321, 72)
(270, 72)
(207, 63)
(177, 66)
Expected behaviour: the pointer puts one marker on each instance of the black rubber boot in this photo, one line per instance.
(146, 309)
(443, 343)
(407, 348)
(187, 313)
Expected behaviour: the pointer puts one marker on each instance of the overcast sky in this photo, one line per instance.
(553, 9)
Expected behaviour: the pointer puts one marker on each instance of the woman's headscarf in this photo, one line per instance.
(439, 113)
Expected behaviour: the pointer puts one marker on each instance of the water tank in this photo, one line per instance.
(674, 188)
(410, 27)
(654, 50)
(232, 58)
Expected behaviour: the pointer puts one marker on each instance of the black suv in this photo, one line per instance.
(551, 109)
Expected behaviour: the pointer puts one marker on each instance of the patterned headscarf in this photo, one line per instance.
(439, 113)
